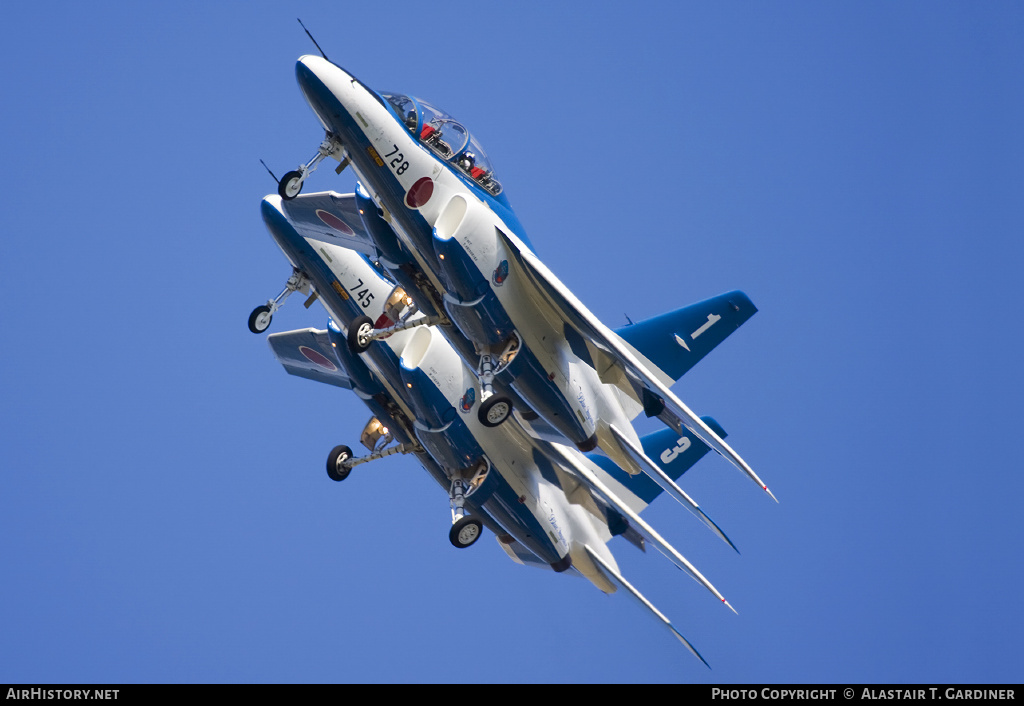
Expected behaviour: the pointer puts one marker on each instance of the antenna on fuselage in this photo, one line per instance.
(271, 173)
(312, 40)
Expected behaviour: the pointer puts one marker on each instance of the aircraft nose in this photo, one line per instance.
(330, 91)
(315, 72)
(310, 71)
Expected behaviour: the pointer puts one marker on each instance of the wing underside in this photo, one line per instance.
(330, 218)
(620, 364)
(307, 353)
(579, 466)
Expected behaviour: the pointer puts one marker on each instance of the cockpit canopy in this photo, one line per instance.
(447, 138)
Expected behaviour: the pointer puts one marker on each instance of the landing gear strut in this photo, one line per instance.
(340, 462)
(466, 529)
(259, 319)
(362, 333)
(291, 183)
(494, 409)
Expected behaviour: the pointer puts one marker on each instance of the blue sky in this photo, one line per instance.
(856, 168)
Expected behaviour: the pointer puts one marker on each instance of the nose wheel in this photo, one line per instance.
(261, 316)
(291, 183)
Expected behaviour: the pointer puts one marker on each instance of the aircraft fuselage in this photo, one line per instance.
(446, 223)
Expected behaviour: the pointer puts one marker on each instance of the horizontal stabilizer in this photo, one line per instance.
(330, 218)
(580, 468)
(638, 597)
(677, 340)
(654, 472)
(308, 354)
(646, 384)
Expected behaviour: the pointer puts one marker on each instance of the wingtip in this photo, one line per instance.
(771, 494)
(690, 647)
(717, 530)
(729, 606)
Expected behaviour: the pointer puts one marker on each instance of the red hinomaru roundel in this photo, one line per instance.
(317, 358)
(333, 221)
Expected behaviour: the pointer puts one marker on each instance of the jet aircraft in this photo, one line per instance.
(548, 504)
(437, 219)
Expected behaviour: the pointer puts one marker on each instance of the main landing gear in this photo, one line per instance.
(495, 409)
(398, 311)
(466, 529)
(362, 333)
(375, 437)
(259, 319)
(291, 183)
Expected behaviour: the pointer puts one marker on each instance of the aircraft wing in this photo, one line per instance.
(307, 353)
(621, 364)
(330, 218)
(643, 602)
(579, 467)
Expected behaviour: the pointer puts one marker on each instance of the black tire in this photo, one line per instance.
(465, 532)
(364, 325)
(290, 185)
(338, 455)
(260, 318)
(494, 410)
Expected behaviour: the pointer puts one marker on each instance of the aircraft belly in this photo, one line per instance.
(530, 379)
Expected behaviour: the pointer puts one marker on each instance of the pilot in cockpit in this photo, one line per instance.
(467, 161)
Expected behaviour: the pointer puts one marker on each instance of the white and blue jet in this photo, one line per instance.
(436, 218)
(548, 504)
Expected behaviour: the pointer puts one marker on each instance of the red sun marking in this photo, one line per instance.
(334, 222)
(420, 193)
(317, 358)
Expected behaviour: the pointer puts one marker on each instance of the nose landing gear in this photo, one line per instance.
(261, 316)
(291, 183)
